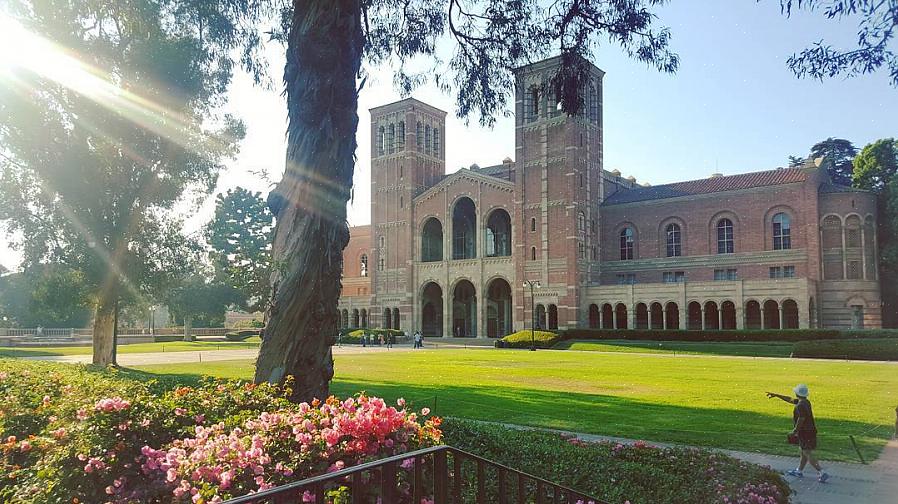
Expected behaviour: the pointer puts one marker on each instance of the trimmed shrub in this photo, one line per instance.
(241, 335)
(617, 472)
(168, 338)
(881, 349)
(77, 434)
(249, 324)
(725, 335)
(522, 339)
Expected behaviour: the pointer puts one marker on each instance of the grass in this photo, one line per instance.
(699, 400)
(746, 349)
(173, 346)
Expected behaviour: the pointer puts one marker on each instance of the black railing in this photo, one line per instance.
(442, 474)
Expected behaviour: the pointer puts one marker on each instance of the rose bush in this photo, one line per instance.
(72, 434)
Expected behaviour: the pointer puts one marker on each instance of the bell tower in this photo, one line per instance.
(407, 156)
(558, 192)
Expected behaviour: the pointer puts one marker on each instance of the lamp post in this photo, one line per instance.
(152, 320)
(532, 284)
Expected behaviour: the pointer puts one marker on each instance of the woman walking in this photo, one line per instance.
(805, 431)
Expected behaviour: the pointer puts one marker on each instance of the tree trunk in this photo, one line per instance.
(323, 61)
(104, 327)
(188, 323)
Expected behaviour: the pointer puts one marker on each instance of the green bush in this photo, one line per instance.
(616, 472)
(726, 335)
(881, 349)
(522, 339)
(168, 338)
(249, 324)
(241, 335)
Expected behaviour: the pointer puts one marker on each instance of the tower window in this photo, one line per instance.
(436, 141)
(674, 242)
(532, 253)
(534, 104)
(725, 241)
(533, 224)
(401, 136)
(782, 231)
(364, 265)
(428, 147)
(626, 244)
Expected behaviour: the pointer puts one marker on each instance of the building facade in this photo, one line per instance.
(451, 255)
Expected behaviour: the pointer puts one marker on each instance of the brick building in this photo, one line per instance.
(450, 254)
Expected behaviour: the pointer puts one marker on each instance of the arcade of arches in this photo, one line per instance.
(707, 316)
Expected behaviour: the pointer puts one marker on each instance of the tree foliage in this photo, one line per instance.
(240, 238)
(876, 165)
(201, 302)
(877, 23)
(840, 154)
(95, 158)
(46, 295)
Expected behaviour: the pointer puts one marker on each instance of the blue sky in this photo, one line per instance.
(732, 107)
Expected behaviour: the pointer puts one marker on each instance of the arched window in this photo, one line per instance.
(725, 241)
(498, 234)
(674, 240)
(400, 136)
(383, 242)
(419, 136)
(428, 146)
(436, 141)
(581, 223)
(533, 113)
(782, 231)
(380, 264)
(626, 244)
(533, 224)
(464, 237)
(853, 248)
(391, 138)
(432, 241)
(532, 253)
(381, 133)
(363, 267)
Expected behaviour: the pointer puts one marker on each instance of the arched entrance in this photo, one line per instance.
(464, 310)
(464, 237)
(395, 318)
(642, 316)
(364, 314)
(553, 317)
(344, 319)
(432, 310)
(387, 322)
(790, 314)
(594, 316)
(656, 316)
(771, 314)
(540, 316)
(355, 318)
(620, 312)
(694, 316)
(498, 309)
(607, 316)
(712, 316)
(753, 315)
(672, 315)
(728, 314)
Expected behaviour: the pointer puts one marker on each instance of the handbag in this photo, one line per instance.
(792, 438)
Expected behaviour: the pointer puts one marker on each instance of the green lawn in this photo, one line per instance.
(704, 400)
(174, 346)
(746, 349)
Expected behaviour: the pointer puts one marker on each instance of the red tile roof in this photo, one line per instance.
(709, 185)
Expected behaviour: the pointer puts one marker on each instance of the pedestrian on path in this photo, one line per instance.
(804, 432)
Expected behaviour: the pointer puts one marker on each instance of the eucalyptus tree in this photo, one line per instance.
(110, 114)
(328, 41)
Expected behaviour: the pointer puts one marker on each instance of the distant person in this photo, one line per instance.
(418, 340)
(380, 340)
(364, 339)
(805, 431)
(390, 338)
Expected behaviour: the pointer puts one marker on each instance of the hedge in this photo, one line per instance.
(725, 335)
(618, 473)
(522, 339)
(881, 349)
(241, 335)
(354, 336)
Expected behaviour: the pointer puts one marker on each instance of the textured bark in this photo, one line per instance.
(323, 59)
(104, 327)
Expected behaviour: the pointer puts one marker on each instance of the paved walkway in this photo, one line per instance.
(145, 359)
(876, 483)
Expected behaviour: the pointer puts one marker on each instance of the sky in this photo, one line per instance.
(732, 107)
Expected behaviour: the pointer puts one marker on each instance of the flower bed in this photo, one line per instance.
(619, 473)
(68, 434)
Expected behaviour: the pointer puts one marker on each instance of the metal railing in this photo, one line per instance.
(56, 332)
(441, 473)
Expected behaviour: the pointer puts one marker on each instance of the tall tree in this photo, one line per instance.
(877, 22)
(110, 120)
(876, 170)
(200, 300)
(327, 42)
(840, 154)
(47, 295)
(795, 161)
(240, 237)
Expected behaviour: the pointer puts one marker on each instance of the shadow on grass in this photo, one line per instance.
(607, 415)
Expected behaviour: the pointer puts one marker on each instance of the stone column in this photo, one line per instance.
(703, 317)
(720, 318)
(782, 317)
(664, 317)
(631, 318)
(614, 317)
(681, 319)
(763, 317)
(740, 318)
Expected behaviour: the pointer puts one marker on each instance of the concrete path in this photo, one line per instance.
(876, 483)
(145, 359)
